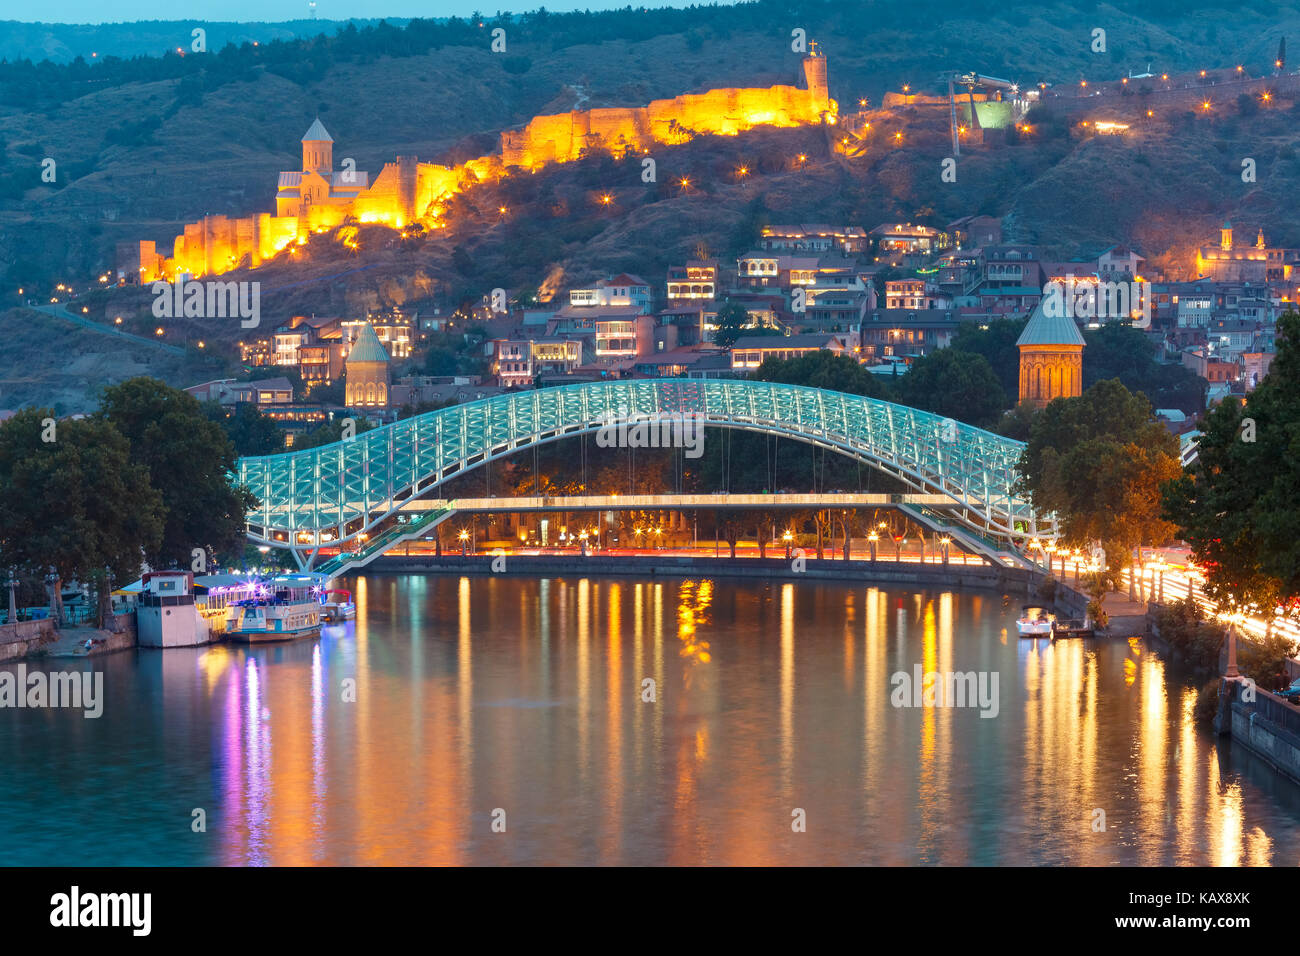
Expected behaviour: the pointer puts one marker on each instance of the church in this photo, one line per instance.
(1051, 358)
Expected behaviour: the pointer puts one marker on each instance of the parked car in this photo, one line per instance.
(1292, 692)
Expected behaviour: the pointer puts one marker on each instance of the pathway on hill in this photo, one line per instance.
(60, 311)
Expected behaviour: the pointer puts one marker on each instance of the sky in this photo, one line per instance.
(111, 11)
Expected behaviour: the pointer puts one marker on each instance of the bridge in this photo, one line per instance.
(334, 494)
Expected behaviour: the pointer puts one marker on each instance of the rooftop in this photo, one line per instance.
(1044, 329)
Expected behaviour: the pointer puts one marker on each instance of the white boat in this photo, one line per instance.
(1035, 622)
(281, 608)
(338, 606)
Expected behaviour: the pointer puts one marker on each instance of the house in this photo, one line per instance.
(1119, 263)
(620, 290)
(695, 281)
(1012, 267)
(910, 294)
(228, 391)
(518, 362)
(895, 239)
(975, 231)
(814, 237)
(887, 333)
(751, 351)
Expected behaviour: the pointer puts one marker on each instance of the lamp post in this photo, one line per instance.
(582, 542)
(1232, 673)
(788, 538)
(464, 542)
(944, 543)
(873, 539)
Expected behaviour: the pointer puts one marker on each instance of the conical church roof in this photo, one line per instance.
(317, 133)
(367, 347)
(1044, 329)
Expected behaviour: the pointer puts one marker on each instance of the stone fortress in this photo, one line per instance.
(318, 197)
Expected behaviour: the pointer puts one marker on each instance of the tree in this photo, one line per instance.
(249, 431)
(955, 384)
(330, 432)
(72, 499)
(190, 461)
(730, 324)
(1123, 352)
(1235, 505)
(996, 341)
(822, 369)
(1098, 461)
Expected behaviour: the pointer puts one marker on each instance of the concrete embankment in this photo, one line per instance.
(24, 637)
(28, 639)
(1263, 723)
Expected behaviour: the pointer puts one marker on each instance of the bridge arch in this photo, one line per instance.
(326, 495)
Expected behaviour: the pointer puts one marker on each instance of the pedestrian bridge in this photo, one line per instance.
(329, 495)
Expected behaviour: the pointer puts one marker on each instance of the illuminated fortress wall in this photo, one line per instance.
(563, 137)
(407, 191)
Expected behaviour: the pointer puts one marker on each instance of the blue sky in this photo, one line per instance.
(110, 11)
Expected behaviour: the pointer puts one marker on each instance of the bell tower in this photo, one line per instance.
(814, 73)
(317, 150)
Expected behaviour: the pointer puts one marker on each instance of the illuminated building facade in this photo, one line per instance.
(1051, 358)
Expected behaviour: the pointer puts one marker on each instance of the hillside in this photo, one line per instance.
(145, 146)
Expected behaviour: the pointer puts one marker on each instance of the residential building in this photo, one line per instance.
(815, 237)
(750, 351)
(697, 281)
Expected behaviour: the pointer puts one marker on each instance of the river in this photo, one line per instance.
(505, 720)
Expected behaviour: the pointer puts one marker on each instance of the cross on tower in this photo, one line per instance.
(812, 47)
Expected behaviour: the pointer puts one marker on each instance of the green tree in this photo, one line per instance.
(191, 462)
(1236, 504)
(1098, 461)
(1123, 352)
(822, 369)
(72, 499)
(329, 432)
(249, 431)
(730, 324)
(955, 384)
(997, 343)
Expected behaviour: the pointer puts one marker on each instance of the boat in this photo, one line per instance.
(280, 608)
(338, 609)
(1035, 621)
(1074, 627)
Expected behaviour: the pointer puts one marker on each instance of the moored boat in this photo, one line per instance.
(281, 608)
(338, 606)
(1035, 621)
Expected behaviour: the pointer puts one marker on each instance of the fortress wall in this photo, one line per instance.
(562, 137)
(382, 202)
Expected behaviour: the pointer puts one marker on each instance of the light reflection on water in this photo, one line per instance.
(395, 738)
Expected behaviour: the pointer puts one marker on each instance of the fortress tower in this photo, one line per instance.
(814, 74)
(317, 150)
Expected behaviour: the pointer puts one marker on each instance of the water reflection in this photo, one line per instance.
(394, 739)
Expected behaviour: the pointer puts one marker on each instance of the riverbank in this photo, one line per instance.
(25, 640)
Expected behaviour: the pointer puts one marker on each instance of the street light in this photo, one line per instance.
(944, 543)
(873, 539)
(788, 538)
(464, 542)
